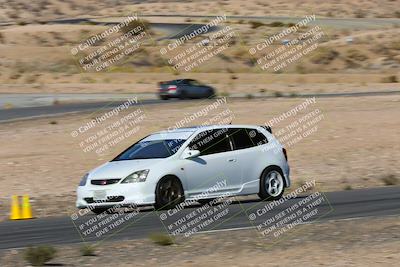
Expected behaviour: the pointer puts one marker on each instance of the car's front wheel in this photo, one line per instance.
(272, 184)
(169, 193)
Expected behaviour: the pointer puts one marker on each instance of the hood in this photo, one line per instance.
(121, 169)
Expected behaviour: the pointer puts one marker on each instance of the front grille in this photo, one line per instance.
(109, 199)
(105, 181)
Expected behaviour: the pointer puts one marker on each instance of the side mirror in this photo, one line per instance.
(187, 153)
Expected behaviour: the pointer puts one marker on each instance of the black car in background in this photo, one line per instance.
(183, 89)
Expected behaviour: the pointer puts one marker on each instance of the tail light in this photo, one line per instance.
(172, 88)
(284, 153)
(160, 85)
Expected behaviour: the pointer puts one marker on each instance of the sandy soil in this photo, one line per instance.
(366, 242)
(355, 145)
(41, 54)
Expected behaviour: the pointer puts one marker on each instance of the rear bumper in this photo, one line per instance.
(286, 174)
(168, 94)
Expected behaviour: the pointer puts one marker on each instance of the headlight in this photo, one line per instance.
(84, 179)
(136, 177)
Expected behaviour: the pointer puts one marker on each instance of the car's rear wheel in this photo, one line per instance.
(272, 184)
(169, 193)
(164, 97)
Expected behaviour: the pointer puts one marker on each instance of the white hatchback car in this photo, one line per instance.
(198, 163)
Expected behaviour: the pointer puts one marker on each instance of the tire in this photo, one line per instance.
(272, 184)
(205, 201)
(164, 97)
(169, 193)
(99, 210)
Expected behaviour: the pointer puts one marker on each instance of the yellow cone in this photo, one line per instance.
(15, 211)
(26, 208)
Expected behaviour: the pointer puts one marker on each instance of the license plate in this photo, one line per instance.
(100, 195)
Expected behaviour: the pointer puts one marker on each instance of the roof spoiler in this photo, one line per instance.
(266, 127)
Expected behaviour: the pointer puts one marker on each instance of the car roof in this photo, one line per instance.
(186, 132)
(206, 127)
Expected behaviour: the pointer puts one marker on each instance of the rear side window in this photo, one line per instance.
(211, 142)
(240, 138)
(257, 137)
(244, 138)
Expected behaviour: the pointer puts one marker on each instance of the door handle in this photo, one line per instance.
(231, 160)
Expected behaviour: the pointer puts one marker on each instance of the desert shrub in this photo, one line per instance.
(300, 68)
(224, 94)
(359, 13)
(324, 55)
(395, 45)
(38, 256)
(356, 55)
(276, 24)
(21, 23)
(86, 79)
(87, 250)
(256, 24)
(390, 179)
(390, 79)
(134, 24)
(348, 187)
(241, 53)
(162, 239)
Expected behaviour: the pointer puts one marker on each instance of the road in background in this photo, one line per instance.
(43, 105)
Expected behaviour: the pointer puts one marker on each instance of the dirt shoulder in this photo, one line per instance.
(360, 242)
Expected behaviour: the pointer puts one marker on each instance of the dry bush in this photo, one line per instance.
(390, 179)
(356, 55)
(324, 55)
(38, 256)
(390, 79)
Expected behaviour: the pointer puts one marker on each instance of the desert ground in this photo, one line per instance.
(367, 242)
(347, 150)
(36, 56)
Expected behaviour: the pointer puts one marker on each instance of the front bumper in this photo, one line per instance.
(115, 194)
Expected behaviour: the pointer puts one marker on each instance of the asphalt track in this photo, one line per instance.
(377, 202)
(13, 114)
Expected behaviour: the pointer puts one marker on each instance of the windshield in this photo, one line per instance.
(151, 149)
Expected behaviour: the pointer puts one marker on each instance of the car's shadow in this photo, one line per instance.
(146, 209)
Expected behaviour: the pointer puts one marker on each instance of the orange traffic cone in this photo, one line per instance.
(26, 208)
(15, 211)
